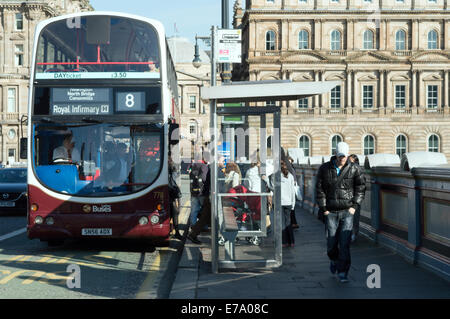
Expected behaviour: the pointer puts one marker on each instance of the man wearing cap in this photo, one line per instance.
(340, 190)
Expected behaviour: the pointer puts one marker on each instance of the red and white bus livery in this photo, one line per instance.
(103, 100)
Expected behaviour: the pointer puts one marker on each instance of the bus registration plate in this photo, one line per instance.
(7, 204)
(96, 231)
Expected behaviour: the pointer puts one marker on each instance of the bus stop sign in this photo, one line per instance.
(229, 46)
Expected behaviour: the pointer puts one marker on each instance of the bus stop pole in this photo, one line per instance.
(213, 165)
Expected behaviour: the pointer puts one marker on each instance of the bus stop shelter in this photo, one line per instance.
(239, 234)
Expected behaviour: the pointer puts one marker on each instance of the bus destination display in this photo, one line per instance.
(81, 101)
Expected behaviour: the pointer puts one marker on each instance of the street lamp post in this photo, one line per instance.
(213, 144)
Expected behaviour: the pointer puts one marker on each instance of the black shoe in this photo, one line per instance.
(178, 236)
(193, 239)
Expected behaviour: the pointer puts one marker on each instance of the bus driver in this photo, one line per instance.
(67, 151)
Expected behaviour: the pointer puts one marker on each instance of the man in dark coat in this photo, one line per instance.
(340, 190)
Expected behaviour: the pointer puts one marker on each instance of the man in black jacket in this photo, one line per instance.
(340, 190)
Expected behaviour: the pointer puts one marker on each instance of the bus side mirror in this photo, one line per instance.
(174, 133)
(23, 148)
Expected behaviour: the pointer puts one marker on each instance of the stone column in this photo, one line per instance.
(420, 93)
(316, 97)
(356, 100)
(350, 35)
(415, 35)
(445, 90)
(386, 36)
(322, 97)
(285, 105)
(445, 37)
(349, 90)
(317, 35)
(387, 92)
(413, 89)
(381, 95)
(382, 41)
(284, 39)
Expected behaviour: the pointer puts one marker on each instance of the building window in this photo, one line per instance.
(270, 40)
(302, 1)
(368, 40)
(303, 40)
(193, 128)
(433, 143)
(12, 100)
(335, 97)
(369, 145)
(303, 142)
(400, 40)
(401, 145)
(432, 40)
(192, 102)
(303, 103)
(432, 96)
(270, 1)
(271, 103)
(367, 96)
(335, 140)
(400, 96)
(335, 40)
(19, 21)
(18, 51)
(11, 155)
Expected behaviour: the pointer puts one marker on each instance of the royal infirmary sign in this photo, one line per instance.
(229, 46)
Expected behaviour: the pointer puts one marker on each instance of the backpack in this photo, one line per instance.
(196, 180)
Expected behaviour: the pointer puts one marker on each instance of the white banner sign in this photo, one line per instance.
(229, 46)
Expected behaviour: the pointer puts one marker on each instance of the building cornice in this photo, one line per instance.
(345, 12)
(8, 76)
(252, 15)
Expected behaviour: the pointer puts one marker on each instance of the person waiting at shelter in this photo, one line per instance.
(233, 176)
(200, 175)
(67, 151)
(252, 178)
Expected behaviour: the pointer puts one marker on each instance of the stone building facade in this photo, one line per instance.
(195, 115)
(17, 25)
(392, 59)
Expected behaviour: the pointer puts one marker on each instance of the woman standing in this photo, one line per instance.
(252, 178)
(287, 204)
(233, 175)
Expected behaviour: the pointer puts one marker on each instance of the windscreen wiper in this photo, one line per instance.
(91, 120)
(47, 120)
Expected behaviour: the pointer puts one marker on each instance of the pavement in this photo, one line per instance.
(304, 273)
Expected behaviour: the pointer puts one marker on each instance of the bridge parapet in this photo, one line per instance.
(407, 210)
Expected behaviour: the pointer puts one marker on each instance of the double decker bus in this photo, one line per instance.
(102, 107)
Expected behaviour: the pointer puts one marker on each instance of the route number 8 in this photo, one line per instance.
(129, 100)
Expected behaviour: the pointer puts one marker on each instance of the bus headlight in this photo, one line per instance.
(154, 219)
(38, 220)
(143, 221)
(34, 207)
(49, 221)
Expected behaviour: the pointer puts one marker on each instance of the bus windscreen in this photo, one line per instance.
(98, 47)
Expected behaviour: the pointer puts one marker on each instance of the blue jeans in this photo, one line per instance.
(339, 226)
(196, 207)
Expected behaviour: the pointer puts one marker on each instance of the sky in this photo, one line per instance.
(191, 17)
